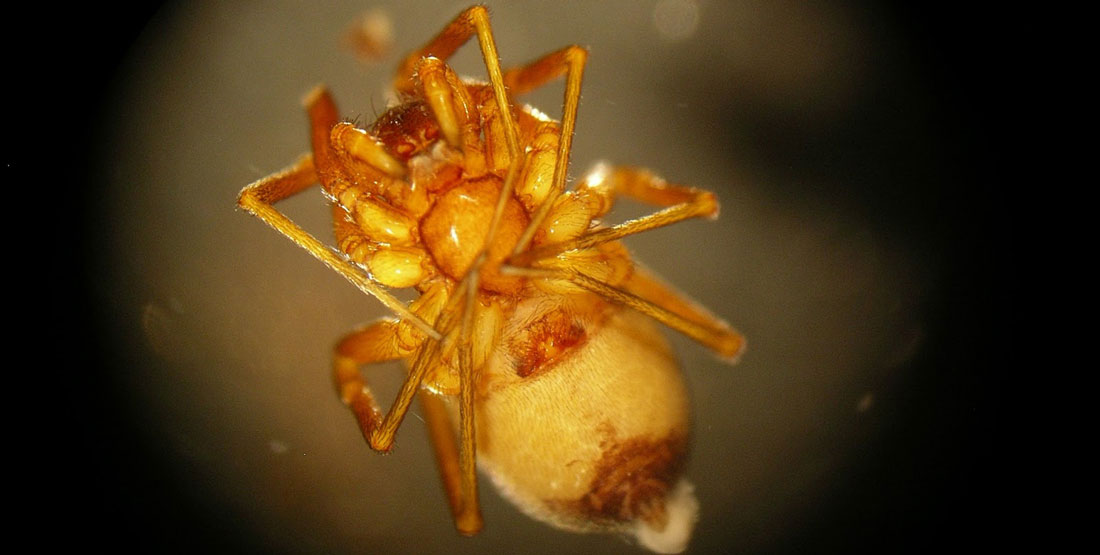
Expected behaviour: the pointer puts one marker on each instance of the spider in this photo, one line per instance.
(533, 327)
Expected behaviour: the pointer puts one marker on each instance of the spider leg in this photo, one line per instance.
(386, 340)
(446, 97)
(380, 342)
(646, 285)
(259, 199)
(374, 343)
(569, 61)
(641, 291)
(377, 342)
(470, 513)
(349, 141)
(536, 73)
(454, 110)
(358, 348)
(467, 517)
(680, 314)
(457, 320)
(605, 183)
(473, 21)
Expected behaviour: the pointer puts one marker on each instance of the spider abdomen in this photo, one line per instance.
(607, 449)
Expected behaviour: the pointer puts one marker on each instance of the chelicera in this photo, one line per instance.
(532, 345)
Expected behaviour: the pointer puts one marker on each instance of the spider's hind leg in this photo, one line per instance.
(641, 291)
(379, 342)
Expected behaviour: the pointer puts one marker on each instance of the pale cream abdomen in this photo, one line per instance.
(596, 442)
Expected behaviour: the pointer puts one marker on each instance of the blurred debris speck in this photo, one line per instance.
(676, 20)
(371, 36)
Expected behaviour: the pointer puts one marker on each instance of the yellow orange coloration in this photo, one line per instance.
(632, 412)
(532, 346)
(463, 212)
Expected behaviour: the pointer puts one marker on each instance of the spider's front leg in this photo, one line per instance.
(260, 197)
(473, 22)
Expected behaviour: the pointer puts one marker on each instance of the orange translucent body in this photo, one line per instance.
(533, 335)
